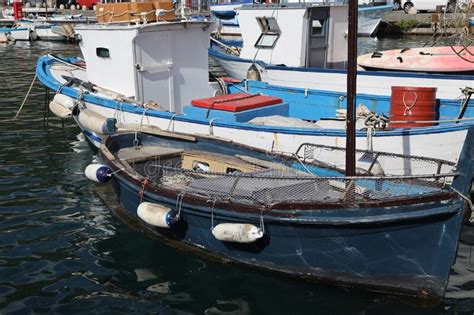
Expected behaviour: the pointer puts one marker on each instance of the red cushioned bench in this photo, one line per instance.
(236, 102)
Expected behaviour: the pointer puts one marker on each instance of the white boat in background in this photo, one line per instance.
(43, 30)
(226, 10)
(23, 33)
(306, 46)
(370, 15)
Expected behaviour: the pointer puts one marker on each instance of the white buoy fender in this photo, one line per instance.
(96, 122)
(237, 232)
(62, 105)
(156, 215)
(98, 173)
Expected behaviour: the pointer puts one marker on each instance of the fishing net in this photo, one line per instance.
(313, 175)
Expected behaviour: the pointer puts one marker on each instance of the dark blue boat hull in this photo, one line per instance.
(411, 257)
(405, 248)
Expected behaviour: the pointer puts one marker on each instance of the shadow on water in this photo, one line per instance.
(62, 251)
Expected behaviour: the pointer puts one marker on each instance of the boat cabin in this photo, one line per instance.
(295, 34)
(163, 62)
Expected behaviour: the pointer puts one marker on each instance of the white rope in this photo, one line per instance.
(408, 108)
(211, 130)
(468, 201)
(179, 203)
(171, 121)
(143, 116)
(24, 100)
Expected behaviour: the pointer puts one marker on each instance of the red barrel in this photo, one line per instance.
(412, 104)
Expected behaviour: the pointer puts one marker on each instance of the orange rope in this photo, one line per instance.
(145, 183)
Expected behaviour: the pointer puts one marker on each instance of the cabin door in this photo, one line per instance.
(317, 37)
(154, 69)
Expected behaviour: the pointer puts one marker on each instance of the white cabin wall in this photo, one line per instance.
(288, 48)
(117, 72)
(337, 43)
(178, 63)
(304, 40)
(162, 62)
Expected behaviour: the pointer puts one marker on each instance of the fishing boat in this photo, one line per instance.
(306, 49)
(19, 32)
(43, 30)
(370, 14)
(444, 59)
(385, 230)
(226, 10)
(292, 117)
(134, 76)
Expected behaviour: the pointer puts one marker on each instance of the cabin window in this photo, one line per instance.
(317, 27)
(270, 32)
(200, 166)
(231, 170)
(102, 52)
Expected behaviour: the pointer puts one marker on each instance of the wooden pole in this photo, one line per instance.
(351, 89)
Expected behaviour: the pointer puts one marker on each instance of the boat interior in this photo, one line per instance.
(250, 177)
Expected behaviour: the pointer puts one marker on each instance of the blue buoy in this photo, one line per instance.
(98, 173)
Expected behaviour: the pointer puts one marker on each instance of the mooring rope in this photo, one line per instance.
(24, 100)
(468, 201)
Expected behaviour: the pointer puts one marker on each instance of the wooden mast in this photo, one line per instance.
(351, 89)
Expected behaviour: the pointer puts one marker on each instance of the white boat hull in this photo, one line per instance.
(368, 21)
(367, 82)
(446, 145)
(370, 18)
(23, 34)
(45, 33)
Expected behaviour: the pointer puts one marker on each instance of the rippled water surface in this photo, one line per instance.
(61, 251)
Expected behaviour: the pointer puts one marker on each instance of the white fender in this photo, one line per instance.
(96, 122)
(98, 173)
(156, 215)
(237, 232)
(62, 106)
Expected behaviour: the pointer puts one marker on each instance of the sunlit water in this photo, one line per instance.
(61, 251)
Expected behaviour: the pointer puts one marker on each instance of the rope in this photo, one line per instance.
(375, 121)
(143, 116)
(212, 212)
(171, 121)
(467, 200)
(179, 203)
(211, 130)
(370, 133)
(408, 108)
(237, 98)
(135, 141)
(24, 100)
(145, 183)
(262, 225)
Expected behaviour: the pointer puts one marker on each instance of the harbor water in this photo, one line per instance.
(62, 251)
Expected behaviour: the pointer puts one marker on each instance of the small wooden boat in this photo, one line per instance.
(385, 229)
(426, 59)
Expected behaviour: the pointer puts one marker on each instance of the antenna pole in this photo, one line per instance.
(351, 89)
